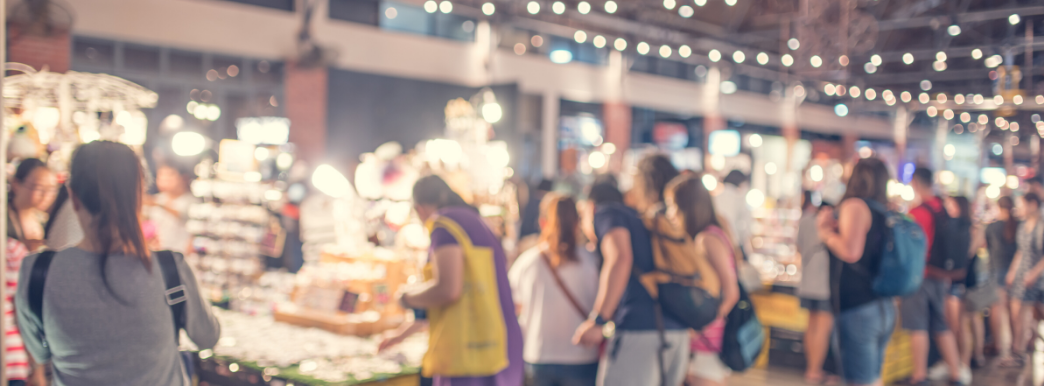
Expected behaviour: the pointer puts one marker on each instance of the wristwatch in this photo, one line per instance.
(608, 327)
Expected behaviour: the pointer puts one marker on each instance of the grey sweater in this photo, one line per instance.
(95, 339)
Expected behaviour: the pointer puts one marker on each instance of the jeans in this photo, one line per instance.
(632, 359)
(863, 334)
(561, 375)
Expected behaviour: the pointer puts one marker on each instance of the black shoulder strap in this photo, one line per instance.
(175, 294)
(37, 279)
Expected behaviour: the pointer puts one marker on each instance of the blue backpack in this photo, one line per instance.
(903, 258)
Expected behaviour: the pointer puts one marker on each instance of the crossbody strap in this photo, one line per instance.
(37, 280)
(561, 285)
(175, 294)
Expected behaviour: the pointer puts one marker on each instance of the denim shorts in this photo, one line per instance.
(925, 310)
(863, 334)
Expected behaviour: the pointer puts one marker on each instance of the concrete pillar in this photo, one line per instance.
(712, 118)
(549, 136)
(305, 90)
(942, 131)
(902, 124)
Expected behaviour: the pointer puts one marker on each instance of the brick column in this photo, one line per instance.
(305, 91)
(52, 51)
(618, 124)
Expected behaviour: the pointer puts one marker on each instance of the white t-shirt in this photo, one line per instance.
(173, 236)
(731, 204)
(547, 317)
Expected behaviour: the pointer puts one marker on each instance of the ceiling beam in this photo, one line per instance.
(967, 17)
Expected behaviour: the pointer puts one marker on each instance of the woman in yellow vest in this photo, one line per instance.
(475, 339)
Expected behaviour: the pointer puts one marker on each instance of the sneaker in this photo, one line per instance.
(966, 376)
(939, 372)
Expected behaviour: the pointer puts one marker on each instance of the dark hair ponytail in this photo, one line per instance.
(106, 178)
(433, 190)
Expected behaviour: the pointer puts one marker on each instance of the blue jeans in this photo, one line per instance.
(561, 375)
(863, 334)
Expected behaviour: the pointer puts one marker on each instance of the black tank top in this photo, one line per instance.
(852, 283)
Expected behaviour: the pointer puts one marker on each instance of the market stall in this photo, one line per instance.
(362, 244)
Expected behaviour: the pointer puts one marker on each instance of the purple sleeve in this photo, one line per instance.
(441, 237)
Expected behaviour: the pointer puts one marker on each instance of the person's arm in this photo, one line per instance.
(1034, 273)
(616, 272)
(446, 284)
(719, 255)
(848, 238)
(200, 323)
(400, 334)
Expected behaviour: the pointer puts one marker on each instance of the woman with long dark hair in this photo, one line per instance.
(33, 189)
(554, 286)
(689, 204)
(474, 339)
(855, 238)
(103, 317)
(1024, 278)
(1000, 241)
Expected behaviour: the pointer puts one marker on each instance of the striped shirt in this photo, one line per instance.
(17, 360)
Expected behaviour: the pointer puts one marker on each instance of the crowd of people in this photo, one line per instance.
(585, 306)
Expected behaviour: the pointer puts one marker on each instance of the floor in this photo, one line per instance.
(1030, 376)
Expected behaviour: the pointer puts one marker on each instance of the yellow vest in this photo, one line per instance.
(467, 338)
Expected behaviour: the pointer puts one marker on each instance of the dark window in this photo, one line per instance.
(186, 63)
(228, 69)
(267, 71)
(456, 27)
(283, 5)
(407, 18)
(94, 53)
(356, 11)
(141, 58)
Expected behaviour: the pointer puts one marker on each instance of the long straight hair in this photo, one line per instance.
(561, 228)
(107, 177)
(869, 181)
(1011, 225)
(965, 207)
(654, 173)
(693, 202)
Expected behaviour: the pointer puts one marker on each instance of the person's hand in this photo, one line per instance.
(825, 221)
(390, 340)
(37, 378)
(1030, 279)
(588, 334)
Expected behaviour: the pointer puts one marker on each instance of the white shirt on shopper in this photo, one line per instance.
(731, 204)
(171, 230)
(547, 317)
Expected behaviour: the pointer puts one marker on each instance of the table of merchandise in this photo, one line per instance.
(257, 350)
(779, 310)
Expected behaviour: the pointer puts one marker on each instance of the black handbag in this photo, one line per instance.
(744, 335)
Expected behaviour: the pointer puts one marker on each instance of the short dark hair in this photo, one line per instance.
(604, 191)
(546, 185)
(923, 175)
(654, 173)
(1032, 197)
(735, 178)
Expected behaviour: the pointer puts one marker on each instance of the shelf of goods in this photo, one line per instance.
(230, 228)
(773, 240)
(256, 350)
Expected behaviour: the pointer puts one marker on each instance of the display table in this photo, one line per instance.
(257, 350)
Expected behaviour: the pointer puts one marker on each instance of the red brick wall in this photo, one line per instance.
(38, 51)
(305, 94)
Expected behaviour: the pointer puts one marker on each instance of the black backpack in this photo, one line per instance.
(950, 246)
(175, 294)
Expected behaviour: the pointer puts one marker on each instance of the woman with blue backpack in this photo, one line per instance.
(855, 238)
